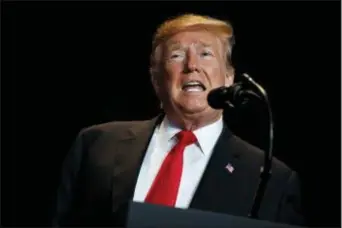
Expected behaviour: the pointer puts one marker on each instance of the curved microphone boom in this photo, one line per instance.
(233, 97)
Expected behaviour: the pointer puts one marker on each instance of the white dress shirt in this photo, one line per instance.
(196, 157)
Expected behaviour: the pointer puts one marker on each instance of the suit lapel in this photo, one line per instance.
(129, 154)
(222, 188)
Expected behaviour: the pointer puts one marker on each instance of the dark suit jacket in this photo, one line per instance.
(100, 172)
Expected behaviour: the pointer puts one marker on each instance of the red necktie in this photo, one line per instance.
(164, 189)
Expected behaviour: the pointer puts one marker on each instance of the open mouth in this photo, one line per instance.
(193, 86)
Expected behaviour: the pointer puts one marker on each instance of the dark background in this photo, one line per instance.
(68, 65)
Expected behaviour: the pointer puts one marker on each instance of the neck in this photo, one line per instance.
(193, 122)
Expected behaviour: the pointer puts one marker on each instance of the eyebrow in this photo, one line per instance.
(174, 46)
(204, 44)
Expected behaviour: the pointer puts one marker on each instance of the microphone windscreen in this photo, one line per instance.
(217, 97)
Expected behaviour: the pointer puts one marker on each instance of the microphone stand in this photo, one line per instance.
(266, 169)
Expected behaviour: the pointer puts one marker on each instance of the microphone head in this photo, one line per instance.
(217, 98)
(223, 96)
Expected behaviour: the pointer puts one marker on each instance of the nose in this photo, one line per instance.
(191, 63)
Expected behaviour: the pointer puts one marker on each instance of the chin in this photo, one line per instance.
(194, 109)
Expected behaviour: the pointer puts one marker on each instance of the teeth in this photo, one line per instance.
(192, 83)
(194, 89)
(193, 86)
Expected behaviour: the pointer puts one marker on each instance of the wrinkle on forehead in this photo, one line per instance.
(209, 41)
(178, 45)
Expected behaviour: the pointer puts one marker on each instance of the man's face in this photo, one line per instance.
(192, 65)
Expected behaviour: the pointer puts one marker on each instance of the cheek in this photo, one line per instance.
(173, 73)
(215, 73)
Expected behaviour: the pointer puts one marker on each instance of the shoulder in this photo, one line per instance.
(281, 201)
(118, 130)
(113, 129)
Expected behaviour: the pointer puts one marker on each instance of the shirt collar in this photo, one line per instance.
(206, 136)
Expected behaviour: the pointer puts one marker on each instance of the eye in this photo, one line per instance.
(177, 55)
(206, 53)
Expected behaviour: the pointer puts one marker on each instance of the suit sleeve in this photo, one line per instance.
(68, 182)
(290, 207)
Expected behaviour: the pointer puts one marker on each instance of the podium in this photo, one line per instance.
(142, 215)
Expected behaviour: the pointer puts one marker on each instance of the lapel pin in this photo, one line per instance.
(230, 168)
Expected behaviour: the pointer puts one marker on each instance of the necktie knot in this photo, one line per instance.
(186, 137)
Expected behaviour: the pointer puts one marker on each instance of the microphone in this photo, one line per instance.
(231, 97)
(235, 96)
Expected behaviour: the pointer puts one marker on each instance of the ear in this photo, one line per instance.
(229, 79)
(155, 81)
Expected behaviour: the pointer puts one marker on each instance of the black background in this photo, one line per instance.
(70, 65)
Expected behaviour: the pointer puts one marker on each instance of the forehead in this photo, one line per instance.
(186, 38)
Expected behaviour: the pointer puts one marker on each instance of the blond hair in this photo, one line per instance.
(186, 22)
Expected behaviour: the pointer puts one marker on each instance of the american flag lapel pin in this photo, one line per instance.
(230, 168)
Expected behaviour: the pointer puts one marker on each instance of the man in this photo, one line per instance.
(186, 157)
